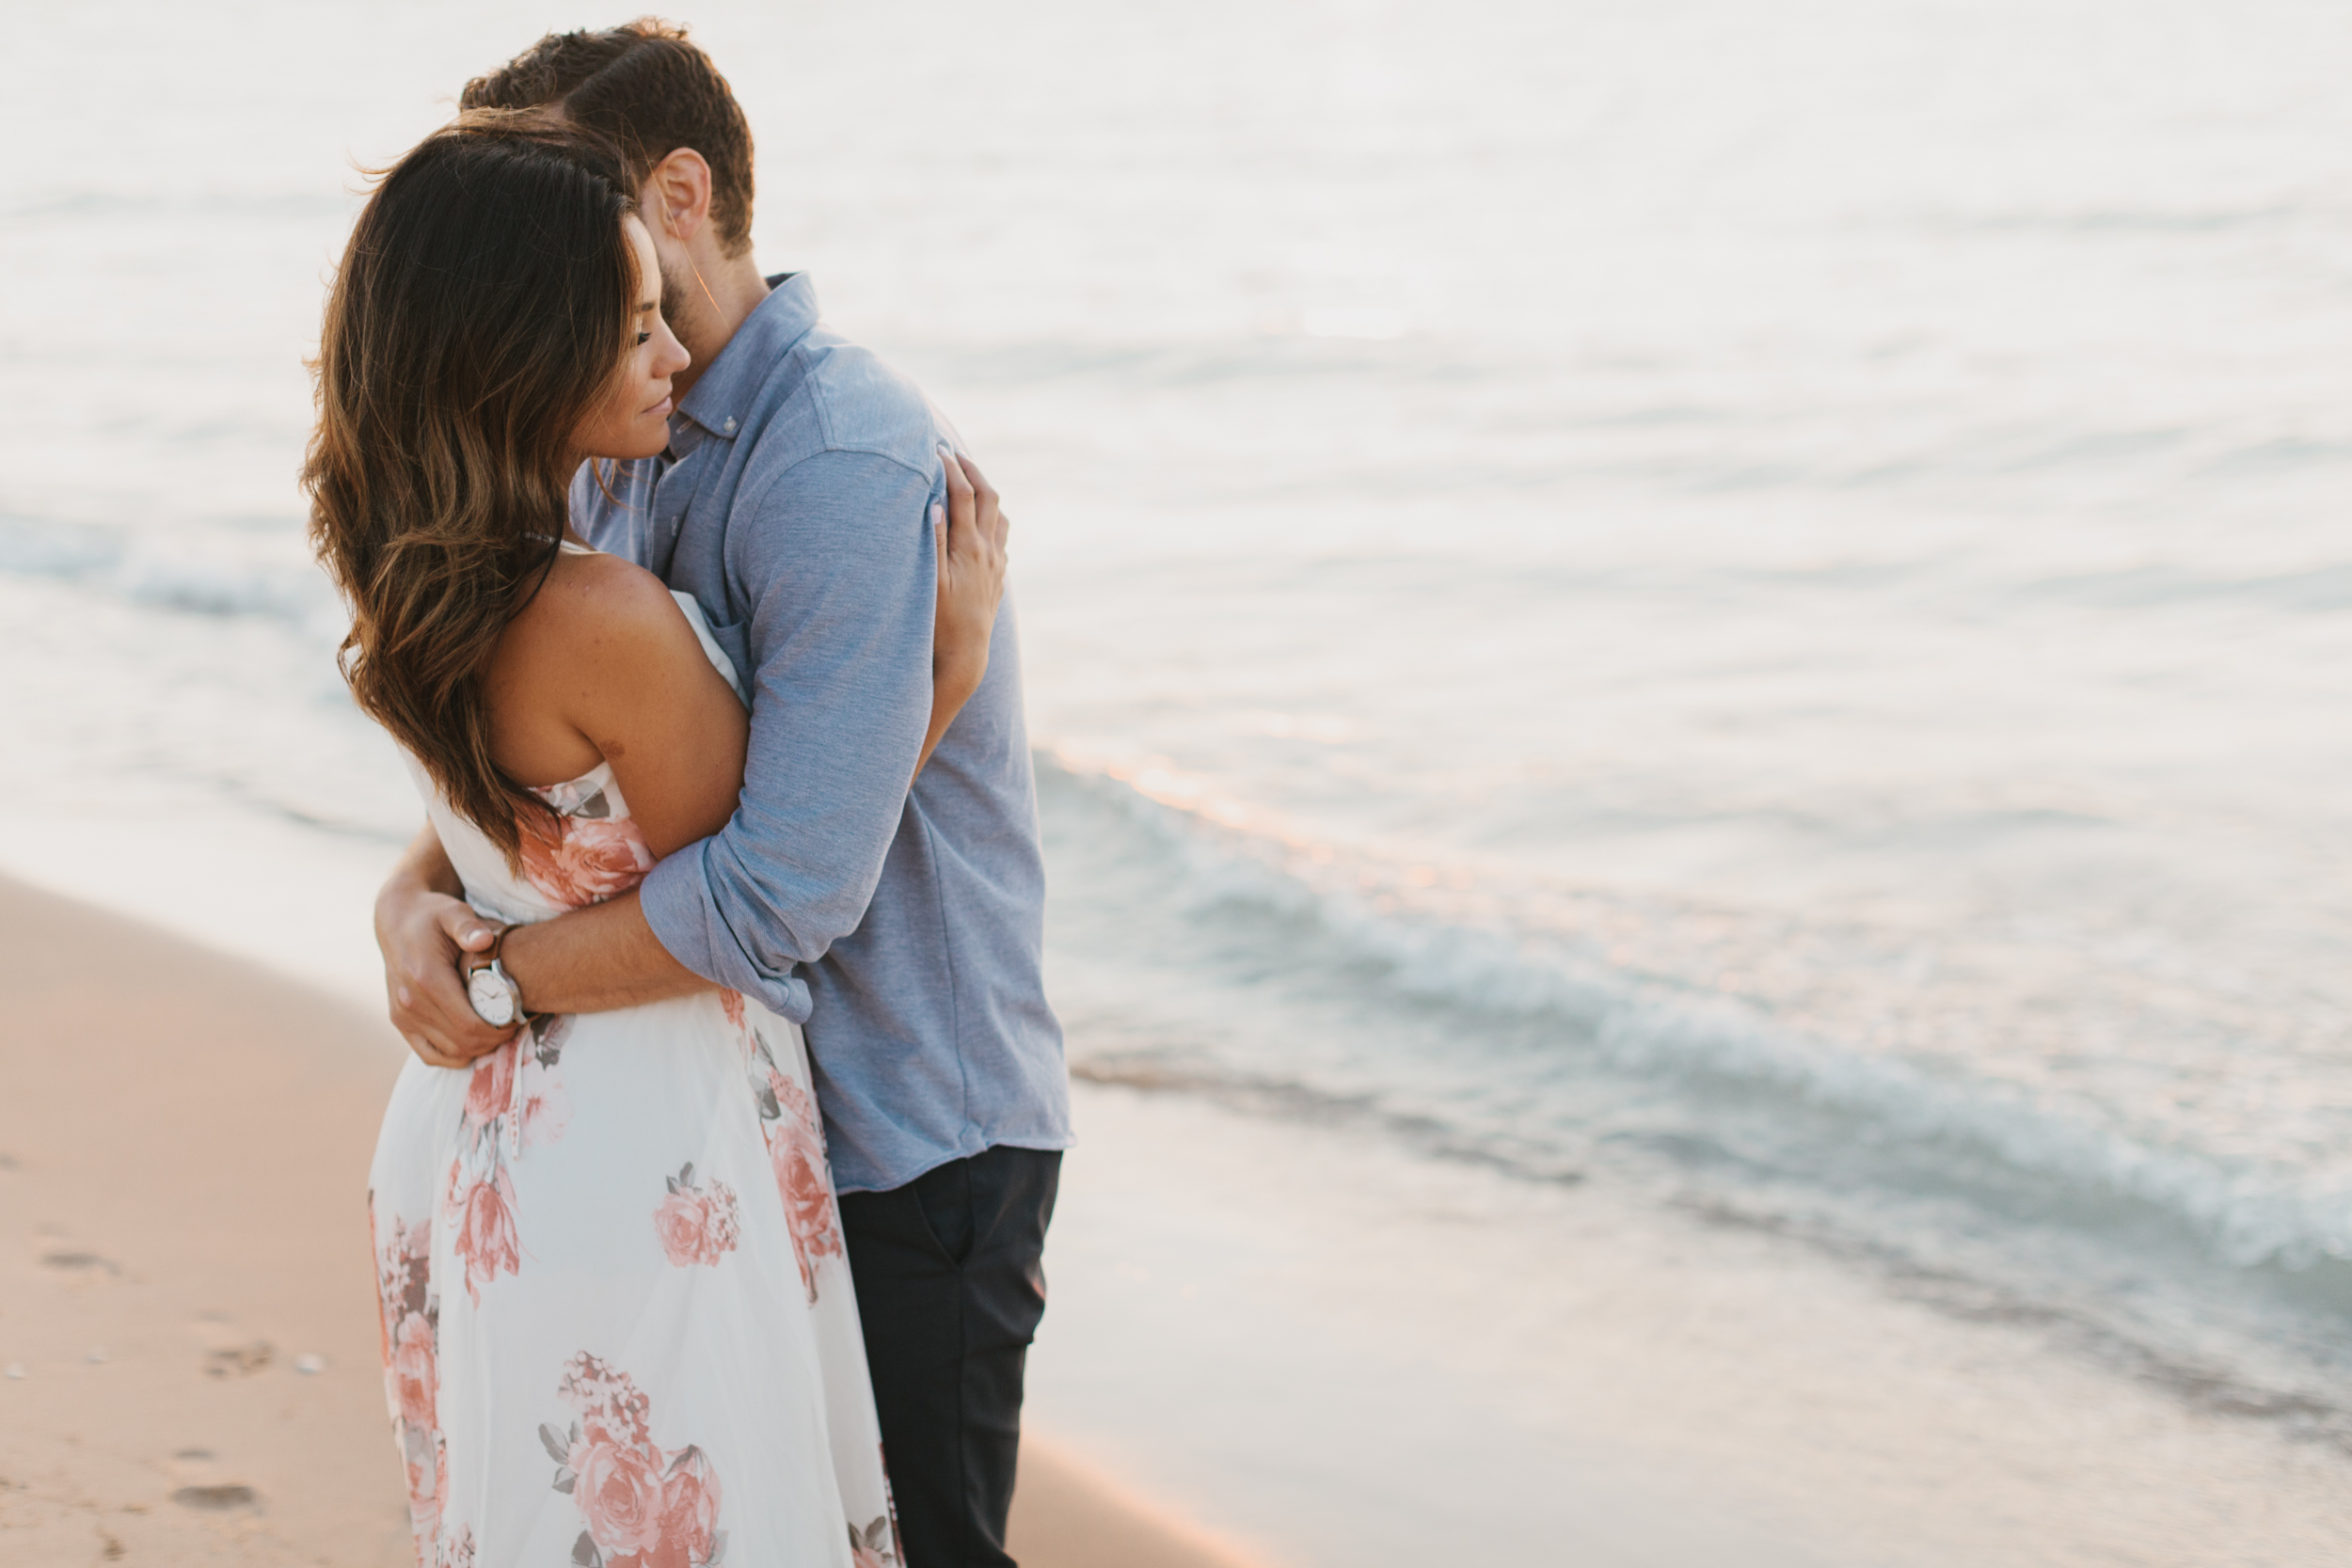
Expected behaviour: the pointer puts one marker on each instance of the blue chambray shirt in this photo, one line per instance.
(905, 931)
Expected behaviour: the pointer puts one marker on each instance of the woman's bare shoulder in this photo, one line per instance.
(593, 610)
(603, 664)
(601, 641)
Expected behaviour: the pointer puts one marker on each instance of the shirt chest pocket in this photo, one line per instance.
(728, 646)
(735, 640)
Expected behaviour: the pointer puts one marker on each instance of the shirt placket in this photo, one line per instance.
(674, 494)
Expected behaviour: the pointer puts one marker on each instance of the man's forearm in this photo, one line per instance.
(593, 960)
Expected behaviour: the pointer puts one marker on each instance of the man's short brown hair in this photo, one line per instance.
(650, 90)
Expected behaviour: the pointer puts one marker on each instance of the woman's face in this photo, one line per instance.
(633, 418)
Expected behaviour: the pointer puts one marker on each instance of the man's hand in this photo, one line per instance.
(424, 930)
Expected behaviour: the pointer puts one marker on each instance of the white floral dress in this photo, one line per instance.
(619, 1330)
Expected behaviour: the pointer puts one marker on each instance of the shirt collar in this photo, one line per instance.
(721, 400)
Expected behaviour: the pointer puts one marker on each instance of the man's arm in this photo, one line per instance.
(836, 555)
(842, 559)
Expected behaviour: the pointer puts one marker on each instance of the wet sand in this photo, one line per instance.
(187, 1319)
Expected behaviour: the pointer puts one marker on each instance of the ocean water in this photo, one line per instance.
(1744, 611)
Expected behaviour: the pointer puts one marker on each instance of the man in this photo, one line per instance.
(904, 929)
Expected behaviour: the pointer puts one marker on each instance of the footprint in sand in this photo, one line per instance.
(240, 1360)
(200, 1487)
(79, 1262)
(227, 1352)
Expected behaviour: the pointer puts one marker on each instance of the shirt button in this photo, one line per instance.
(729, 426)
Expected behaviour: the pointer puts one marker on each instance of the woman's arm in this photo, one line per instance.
(633, 682)
(970, 539)
(603, 664)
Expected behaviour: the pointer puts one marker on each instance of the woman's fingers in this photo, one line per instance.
(979, 510)
(465, 931)
(962, 502)
(971, 555)
(991, 514)
(430, 1057)
(429, 1007)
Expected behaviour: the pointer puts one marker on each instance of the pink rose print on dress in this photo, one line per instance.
(796, 1147)
(415, 1381)
(410, 1323)
(690, 1506)
(619, 1493)
(517, 1091)
(491, 1090)
(546, 1110)
(483, 1210)
(515, 1101)
(644, 1506)
(696, 1227)
(586, 855)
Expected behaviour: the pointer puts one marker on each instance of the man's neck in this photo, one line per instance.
(723, 297)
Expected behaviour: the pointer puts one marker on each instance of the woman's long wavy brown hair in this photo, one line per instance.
(483, 308)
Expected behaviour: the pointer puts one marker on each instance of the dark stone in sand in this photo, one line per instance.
(215, 1496)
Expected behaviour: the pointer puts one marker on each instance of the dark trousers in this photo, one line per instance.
(950, 1286)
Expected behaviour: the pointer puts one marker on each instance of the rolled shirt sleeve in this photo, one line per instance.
(834, 560)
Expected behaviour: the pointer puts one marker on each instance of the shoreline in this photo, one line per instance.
(186, 1299)
(1271, 1340)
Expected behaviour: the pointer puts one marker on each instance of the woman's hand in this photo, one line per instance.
(426, 933)
(969, 534)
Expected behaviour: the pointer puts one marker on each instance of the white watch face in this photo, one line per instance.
(493, 997)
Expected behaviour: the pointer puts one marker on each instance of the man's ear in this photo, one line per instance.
(676, 200)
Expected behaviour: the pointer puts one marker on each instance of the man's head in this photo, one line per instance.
(658, 99)
(649, 91)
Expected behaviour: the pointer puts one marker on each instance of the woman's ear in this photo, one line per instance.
(677, 197)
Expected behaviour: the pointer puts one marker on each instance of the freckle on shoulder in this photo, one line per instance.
(605, 585)
(585, 602)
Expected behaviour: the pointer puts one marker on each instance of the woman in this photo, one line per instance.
(618, 1324)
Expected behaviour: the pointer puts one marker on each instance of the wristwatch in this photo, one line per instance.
(497, 999)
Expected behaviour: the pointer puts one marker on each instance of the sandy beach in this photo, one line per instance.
(1231, 1370)
(186, 1316)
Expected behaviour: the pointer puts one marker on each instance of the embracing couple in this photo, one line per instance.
(686, 614)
